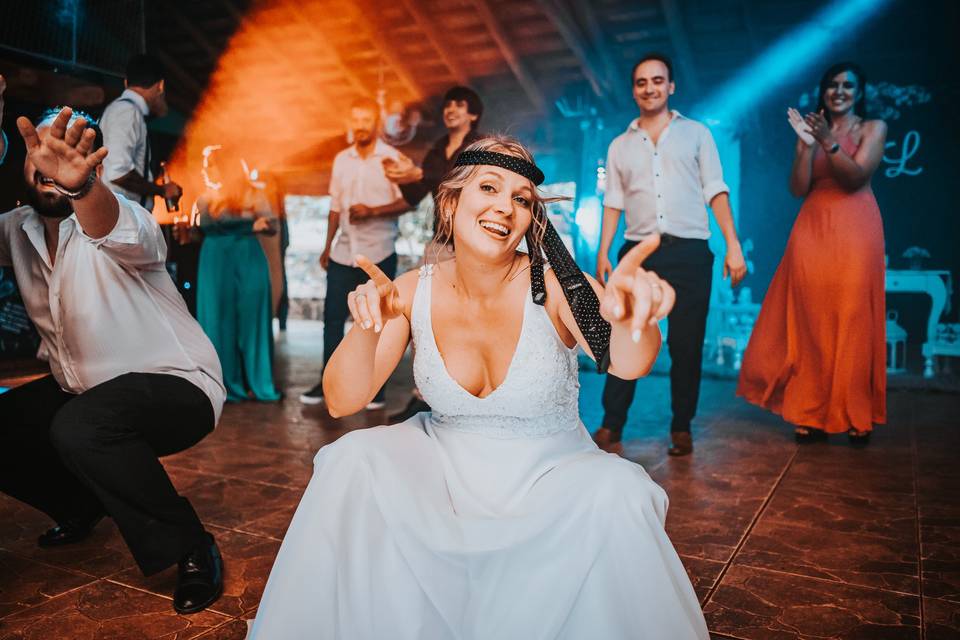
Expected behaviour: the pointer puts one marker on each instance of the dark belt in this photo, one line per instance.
(666, 240)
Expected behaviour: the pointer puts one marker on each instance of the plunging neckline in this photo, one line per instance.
(443, 363)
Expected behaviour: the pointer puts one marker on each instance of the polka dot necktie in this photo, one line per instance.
(580, 295)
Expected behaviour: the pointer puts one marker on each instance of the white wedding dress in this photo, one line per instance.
(493, 518)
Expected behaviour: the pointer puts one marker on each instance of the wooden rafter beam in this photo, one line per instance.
(681, 44)
(363, 13)
(313, 26)
(433, 35)
(276, 53)
(608, 61)
(567, 27)
(513, 60)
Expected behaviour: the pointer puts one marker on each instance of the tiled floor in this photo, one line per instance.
(781, 541)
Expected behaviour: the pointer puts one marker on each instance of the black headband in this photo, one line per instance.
(511, 163)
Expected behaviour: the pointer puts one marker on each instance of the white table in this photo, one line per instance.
(938, 285)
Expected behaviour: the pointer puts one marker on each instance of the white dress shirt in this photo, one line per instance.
(124, 126)
(357, 180)
(107, 306)
(665, 187)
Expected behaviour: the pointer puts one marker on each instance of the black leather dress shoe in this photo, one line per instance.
(68, 532)
(681, 444)
(199, 579)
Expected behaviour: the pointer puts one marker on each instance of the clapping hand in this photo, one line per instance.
(634, 297)
(63, 155)
(819, 128)
(800, 126)
(376, 301)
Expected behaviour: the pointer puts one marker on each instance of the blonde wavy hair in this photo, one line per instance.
(448, 196)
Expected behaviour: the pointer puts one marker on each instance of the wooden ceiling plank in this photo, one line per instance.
(520, 72)
(681, 44)
(569, 31)
(363, 13)
(312, 25)
(433, 35)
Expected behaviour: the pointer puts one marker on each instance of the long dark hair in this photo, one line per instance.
(860, 103)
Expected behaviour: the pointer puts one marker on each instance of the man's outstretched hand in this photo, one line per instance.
(63, 155)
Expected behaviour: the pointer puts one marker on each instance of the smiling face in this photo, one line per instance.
(652, 86)
(457, 116)
(841, 93)
(493, 212)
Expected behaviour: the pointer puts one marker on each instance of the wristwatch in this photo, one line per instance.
(832, 150)
(82, 191)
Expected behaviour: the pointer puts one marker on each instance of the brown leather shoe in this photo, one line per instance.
(682, 443)
(604, 439)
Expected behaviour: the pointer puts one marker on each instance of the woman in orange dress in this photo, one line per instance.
(817, 353)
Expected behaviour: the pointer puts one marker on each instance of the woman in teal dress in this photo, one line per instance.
(233, 289)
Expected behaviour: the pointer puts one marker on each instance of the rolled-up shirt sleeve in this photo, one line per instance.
(613, 196)
(120, 137)
(711, 171)
(136, 240)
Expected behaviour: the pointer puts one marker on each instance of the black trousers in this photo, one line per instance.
(96, 453)
(341, 280)
(686, 264)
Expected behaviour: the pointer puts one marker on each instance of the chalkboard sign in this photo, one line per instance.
(18, 336)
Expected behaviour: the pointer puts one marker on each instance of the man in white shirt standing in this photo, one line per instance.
(661, 173)
(124, 124)
(133, 375)
(364, 206)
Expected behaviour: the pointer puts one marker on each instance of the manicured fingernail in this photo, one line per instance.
(377, 328)
(636, 335)
(618, 311)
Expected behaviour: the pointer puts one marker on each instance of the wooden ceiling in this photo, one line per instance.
(288, 69)
(520, 54)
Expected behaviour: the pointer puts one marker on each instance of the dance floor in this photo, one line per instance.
(781, 541)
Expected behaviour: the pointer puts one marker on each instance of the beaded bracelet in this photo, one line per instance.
(82, 191)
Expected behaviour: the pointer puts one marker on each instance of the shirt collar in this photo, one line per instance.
(137, 99)
(635, 123)
(32, 225)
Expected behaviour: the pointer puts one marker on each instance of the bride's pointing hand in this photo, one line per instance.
(376, 301)
(635, 298)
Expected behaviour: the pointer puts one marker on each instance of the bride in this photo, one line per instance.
(495, 516)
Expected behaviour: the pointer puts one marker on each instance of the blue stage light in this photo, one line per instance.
(787, 58)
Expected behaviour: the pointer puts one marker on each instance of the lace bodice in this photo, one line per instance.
(538, 397)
